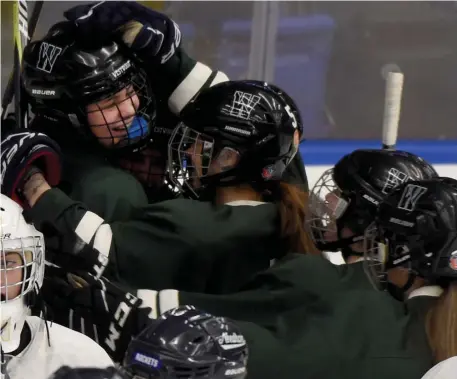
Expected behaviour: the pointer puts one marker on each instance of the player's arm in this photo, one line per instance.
(111, 314)
(183, 78)
(86, 234)
(156, 41)
(139, 252)
(31, 166)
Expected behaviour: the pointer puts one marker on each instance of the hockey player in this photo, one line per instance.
(110, 113)
(119, 80)
(31, 347)
(234, 144)
(296, 317)
(418, 224)
(183, 343)
(344, 200)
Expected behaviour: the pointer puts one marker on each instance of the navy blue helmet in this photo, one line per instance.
(188, 343)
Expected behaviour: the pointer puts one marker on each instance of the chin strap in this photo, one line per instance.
(342, 244)
(4, 359)
(399, 292)
(38, 308)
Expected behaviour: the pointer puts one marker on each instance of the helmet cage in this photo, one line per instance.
(190, 158)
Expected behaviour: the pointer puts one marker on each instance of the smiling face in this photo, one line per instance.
(109, 119)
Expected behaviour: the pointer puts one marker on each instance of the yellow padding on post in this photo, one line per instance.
(155, 5)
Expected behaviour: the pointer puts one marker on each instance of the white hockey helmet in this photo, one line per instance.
(21, 270)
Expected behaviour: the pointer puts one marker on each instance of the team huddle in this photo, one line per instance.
(156, 222)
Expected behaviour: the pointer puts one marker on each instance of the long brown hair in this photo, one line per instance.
(441, 325)
(293, 204)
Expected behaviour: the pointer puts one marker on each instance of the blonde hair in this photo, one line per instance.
(441, 325)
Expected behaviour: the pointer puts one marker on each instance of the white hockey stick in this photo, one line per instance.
(392, 109)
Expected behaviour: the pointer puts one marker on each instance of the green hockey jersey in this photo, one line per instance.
(88, 168)
(90, 176)
(307, 318)
(185, 244)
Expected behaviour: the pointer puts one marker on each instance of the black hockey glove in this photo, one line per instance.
(67, 372)
(151, 35)
(97, 308)
(20, 152)
(9, 124)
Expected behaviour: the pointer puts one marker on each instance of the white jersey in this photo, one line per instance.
(443, 370)
(40, 359)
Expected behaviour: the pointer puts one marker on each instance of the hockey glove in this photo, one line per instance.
(20, 152)
(97, 308)
(67, 372)
(9, 124)
(151, 35)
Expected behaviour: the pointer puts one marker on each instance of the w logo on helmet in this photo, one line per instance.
(47, 56)
(411, 195)
(394, 178)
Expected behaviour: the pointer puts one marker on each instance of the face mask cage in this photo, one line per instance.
(327, 205)
(375, 257)
(148, 165)
(126, 117)
(190, 155)
(21, 267)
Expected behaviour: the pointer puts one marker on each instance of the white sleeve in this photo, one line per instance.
(65, 347)
(444, 370)
(76, 349)
(200, 76)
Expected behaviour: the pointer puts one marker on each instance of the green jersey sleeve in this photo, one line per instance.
(183, 244)
(294, 330)
(181, 78)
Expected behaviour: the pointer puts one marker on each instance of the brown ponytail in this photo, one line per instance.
(292, 210)
(441, 325)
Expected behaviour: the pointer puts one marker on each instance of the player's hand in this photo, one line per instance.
(22, 153)
(151, 35)
(101, 310)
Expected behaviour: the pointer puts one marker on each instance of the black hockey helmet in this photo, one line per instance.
(347, 195)
(249, 119)
(63, 76)
(186, 343)
(291, 106)
(418, 224)
(66, 372)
